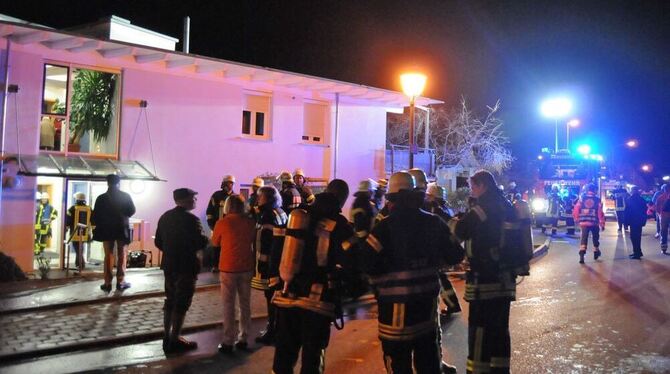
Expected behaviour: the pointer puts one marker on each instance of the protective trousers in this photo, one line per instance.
(569, 224)
(489, 346)
(595, 230)
(299, 328)
(424, 352)
(665, 222)
(636, 239)
(621, 219)
(448, 294)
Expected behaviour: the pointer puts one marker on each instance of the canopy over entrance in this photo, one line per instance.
(81, 167)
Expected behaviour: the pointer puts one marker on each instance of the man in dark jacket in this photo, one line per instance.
(635, 218)
(179, 236)
(110, 217)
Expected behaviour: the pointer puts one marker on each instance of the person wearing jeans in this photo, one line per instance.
(110, 218)
(235, 233)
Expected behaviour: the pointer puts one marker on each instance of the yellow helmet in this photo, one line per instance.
(45, 195)
(80, 196)
(258, 182)
(382, 183)
(228, 178)
(299, 172)
(420, 178)
(401, 181)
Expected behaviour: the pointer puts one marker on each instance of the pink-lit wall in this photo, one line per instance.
(195, 124)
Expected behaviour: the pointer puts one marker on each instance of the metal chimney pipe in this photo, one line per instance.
(187, 34)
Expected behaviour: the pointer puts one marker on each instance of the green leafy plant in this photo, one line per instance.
(92, 104)
(58, 107)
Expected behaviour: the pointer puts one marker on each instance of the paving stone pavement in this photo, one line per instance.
(58, 329)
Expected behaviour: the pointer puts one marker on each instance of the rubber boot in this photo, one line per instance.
(596, 253)
(167, 323)
(178, 343)
(581, 256)
(268, 335)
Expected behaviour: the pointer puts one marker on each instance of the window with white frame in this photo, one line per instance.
(315, 122)
(80, 110)
(256, 115)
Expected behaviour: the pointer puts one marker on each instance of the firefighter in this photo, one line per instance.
(664, 215)
(252, 201)
(589, 213)
(306, 194)
(363, 209)
(290, 195)
(436, 204)
(78, 222)
(620, 195)
(568, 203)
(271, 228)
(490, 286)
(314, 251)
(380, 192)
(553, 210)
(215, 211)
(402, 256)
(45, 213)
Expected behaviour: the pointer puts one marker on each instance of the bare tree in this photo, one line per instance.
(458, 135)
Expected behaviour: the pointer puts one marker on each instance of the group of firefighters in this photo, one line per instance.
(399, 241)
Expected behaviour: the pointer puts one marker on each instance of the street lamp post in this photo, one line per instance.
(572, 123)
(556, 108)
(412, 86)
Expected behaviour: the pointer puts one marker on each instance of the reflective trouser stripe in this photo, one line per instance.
(476, 367)
(479, 342)
(388, 363)
(500, 362)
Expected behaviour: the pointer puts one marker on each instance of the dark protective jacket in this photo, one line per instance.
(438, 209)
(636, 210)
(402, 256)
(306, 195)
(252, 206)
(270, 232)
(363, 212)
(179, 236)
(482, 226)
(290, 198)
(215, 207)
(110, 216)
(315, 287)
(554, 205)
(620, 195)
(383, 213)
(79, 214)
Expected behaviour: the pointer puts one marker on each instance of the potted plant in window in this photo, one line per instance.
(92, 106)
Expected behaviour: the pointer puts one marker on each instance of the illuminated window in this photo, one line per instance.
(316, 121)
(255, 116)
(80, 110)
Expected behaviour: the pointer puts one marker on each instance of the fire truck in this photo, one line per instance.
(567, 171)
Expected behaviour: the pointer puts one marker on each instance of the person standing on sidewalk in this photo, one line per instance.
(589, 213)
(179, 236)
(661, 205)
(78, 222)
(657, 218)
(110, 217)
(620, 195)
(635, 219)
(235, 234)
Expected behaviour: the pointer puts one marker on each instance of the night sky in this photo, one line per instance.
(611, 57)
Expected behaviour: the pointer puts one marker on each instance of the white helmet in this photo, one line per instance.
(401, 181)
(419, 178)
(228, 178)
(80, 196)
(38, 195)
(436, 191)
(367, 185)
(45, 195)
(258, 182)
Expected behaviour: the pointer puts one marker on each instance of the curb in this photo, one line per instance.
(111, 299)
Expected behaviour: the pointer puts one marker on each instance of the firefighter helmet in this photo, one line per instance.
(420, 178)
(38, 195)
(382, 183)
(436, 191)
(258, 182)
(367, 185)
(294, 245)
(45, 196)
(80, 196)
(299, 172)
(401, 181)
(285, 176)
(228, 178)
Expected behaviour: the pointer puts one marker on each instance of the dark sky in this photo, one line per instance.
(612, 57)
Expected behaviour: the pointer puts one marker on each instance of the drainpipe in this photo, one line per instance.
(337, 131)
(187, 34)
(3, 118)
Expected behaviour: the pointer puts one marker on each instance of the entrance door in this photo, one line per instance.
(49, 220)
(93, 252)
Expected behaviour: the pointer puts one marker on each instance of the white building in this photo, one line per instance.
(204, 118)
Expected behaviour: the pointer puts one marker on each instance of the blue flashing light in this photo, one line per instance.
(584, 149)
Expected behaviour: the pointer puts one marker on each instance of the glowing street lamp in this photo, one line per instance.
(555, 109)
(632, 143)
(412, 86)
(571, 123)
(646, 168)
